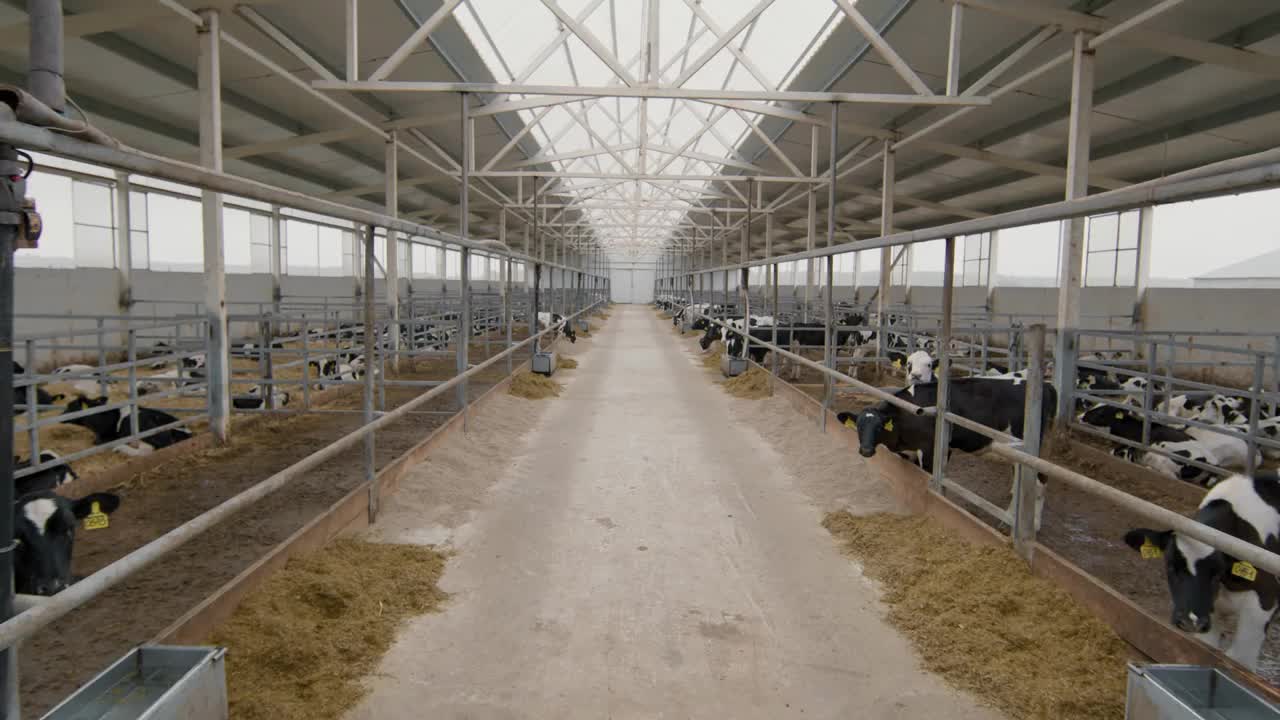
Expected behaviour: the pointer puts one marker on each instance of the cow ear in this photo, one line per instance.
(106, 502)
(936, 361)
(1140, 538)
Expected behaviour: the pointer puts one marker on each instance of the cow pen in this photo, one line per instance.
(272, 268)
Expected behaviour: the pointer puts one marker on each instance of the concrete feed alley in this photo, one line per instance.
(641, 553)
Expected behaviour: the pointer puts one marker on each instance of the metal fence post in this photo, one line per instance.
(370, 346)
(506, 310)
(1255, 401)
(1147, 391)
(133, 384)
(942, 428)
(1026, 485)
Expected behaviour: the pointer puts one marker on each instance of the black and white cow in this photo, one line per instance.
(43, 480)
(1204, 581)
(1127, 425)
(557, 321)
(109, 425)
(998, 404)
(920, 366)
(715, 332)
(44, 530)
(254, 399)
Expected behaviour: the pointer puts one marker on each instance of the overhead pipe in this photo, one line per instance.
(44, 54)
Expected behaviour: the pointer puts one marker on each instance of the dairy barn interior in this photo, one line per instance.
(639, 358)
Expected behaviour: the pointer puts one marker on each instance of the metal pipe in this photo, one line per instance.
(942, 431)
(12, 191)
(1026, 487)
(30, 622)
(464, 276)
(370, 352)
(44, 54)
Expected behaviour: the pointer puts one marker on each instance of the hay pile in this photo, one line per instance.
(532, 386)
(982, 621)
(300, 645)
(753, 384)
(711, 360)
(566, 363)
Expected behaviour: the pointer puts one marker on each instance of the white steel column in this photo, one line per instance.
(464, 272)
(811, 225)
(276, 258)
(124, 243)
(353, 40)
(993, 252)
(215, 280)
(953, 55)
(1071, 240)
(392, 254)
(886, 253)
(1142, 273)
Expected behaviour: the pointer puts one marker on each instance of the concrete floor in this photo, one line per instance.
(646, 556)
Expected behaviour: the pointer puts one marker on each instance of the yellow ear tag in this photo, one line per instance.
(1120, 416)
(96, 519)
(1244, 570)
(888, 425)
(1150, 552)
(897, 363)
(850, 423)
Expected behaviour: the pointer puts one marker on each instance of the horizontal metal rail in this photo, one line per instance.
(26, 624)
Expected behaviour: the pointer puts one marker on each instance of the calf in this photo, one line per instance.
(1128, 426)
(715, 332)
(43, 480)
(254, 399)
(44, 530)
(557, 321)
(109, 425)
(920, 367)
(1203, 580)
(998, 404)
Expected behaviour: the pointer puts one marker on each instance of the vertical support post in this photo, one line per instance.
(1255, 406)
(832, 333)
(1142, 273)
(744, 281)
(215, 280)
(1027, 494)
(953, 54)
(370, 362)
(993, 252)
(773, 356)
(392, 275)
(507, 265)
(353, 40)
(886, 253)
(124, 243)
(1071, 243)
(12, 193)
(277, 257)
(464, 317)
(45, 54)
(811, 221)
(942, 428)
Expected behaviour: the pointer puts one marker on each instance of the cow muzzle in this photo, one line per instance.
(1191, 623)
(864, 452)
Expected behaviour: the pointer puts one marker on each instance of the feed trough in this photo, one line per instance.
(732, 366)
(544, 363)
(153, 682)
(1191, 692)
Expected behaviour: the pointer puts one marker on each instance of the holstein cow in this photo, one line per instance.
(715, 332)
(43, 480)
(1128, 426)
(1204, 581)
(254, 399)
(998, 404)
(556, 320)
(110, 425)
(920, 367)
(44, 530)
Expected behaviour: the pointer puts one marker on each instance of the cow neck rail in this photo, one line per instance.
(46, 612)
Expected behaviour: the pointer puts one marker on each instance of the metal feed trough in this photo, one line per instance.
(732, 366)
(1191, 692)
(154, 682)
(544, 363)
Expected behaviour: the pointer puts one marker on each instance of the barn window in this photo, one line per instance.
(139, 233)
(901, 269)
(92, 211)
(1111, 257)
(973, 266)
(404, 259)
(452, 265)
(477, 268)
(259, 243)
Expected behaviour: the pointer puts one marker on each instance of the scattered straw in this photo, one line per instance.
(300, 645)
(711, 360)
(753, 384)
(566, 363)
(980, 619)
(532, 386)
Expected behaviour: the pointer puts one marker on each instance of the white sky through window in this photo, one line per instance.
(523, 41)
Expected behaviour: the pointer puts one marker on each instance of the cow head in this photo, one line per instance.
(1193, 570)
(711, 335)
(920, 367)
(1106, 416)
(873, 424)
(44, 529)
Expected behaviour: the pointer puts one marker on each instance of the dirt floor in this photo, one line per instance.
(639, 551)
(81, 644)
